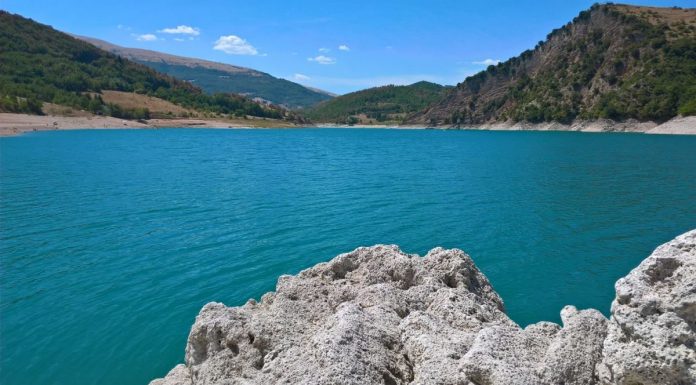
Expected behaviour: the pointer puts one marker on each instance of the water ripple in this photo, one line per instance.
(111, 241)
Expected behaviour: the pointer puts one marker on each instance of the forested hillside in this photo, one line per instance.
(612, 61)
(39, 64)
(387, 104)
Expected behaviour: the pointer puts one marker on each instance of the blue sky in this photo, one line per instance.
(339, 46)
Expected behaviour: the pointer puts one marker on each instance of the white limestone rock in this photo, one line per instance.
(180, 375)
(379, 316)
(652, 332)
(375, 315)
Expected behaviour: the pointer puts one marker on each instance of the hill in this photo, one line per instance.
(612, 61)
(39, 64)
(386, 104)
(215, 77)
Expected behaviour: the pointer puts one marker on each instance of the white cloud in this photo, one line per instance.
(487, 62)
(343, 47)
(182, 30)
(321, 59)
(324, 50)
(146, 37)
(179, 39)
(301, 77)
(234, 45)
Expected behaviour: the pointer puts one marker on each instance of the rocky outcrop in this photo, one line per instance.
(379, 316)
(651, 337)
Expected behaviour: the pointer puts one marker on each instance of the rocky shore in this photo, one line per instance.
(379, 316)
(16, 124)
(676, 126)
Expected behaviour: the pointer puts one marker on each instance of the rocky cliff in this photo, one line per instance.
(379, 316)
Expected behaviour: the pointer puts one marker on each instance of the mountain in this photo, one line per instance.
(40, 64)
(215, 77)
(386, 104)
(612, 61)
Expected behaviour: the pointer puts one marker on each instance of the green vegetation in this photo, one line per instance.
(40, 64)
(387, 104)
(615, 62)
(663, 85)
(118, 112)
(252, 84)
(20, 105)
(688, 108)
(655, 72)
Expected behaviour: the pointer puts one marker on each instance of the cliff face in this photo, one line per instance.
(611, 62)
(379, 316)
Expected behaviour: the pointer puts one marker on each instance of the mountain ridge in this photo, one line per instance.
(214, 76)
(137, 54)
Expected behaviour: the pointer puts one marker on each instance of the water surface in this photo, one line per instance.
(111, 241)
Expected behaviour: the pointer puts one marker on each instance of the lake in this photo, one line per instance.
(112, 240)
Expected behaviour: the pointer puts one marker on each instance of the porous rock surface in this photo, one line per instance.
(379, 316)
(651, 337)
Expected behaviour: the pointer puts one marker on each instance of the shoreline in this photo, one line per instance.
(676, 126)
(16, 124)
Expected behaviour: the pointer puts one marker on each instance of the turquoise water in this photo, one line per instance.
(111, 241)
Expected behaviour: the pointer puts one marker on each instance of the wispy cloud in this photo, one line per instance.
(234, 45)
(321, 59)
(343, 47)
(324, 50)
(300, 77)
(181, 30)
(487, 62)
(146, 37)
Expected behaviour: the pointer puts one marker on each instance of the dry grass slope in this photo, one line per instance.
(157, 107)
